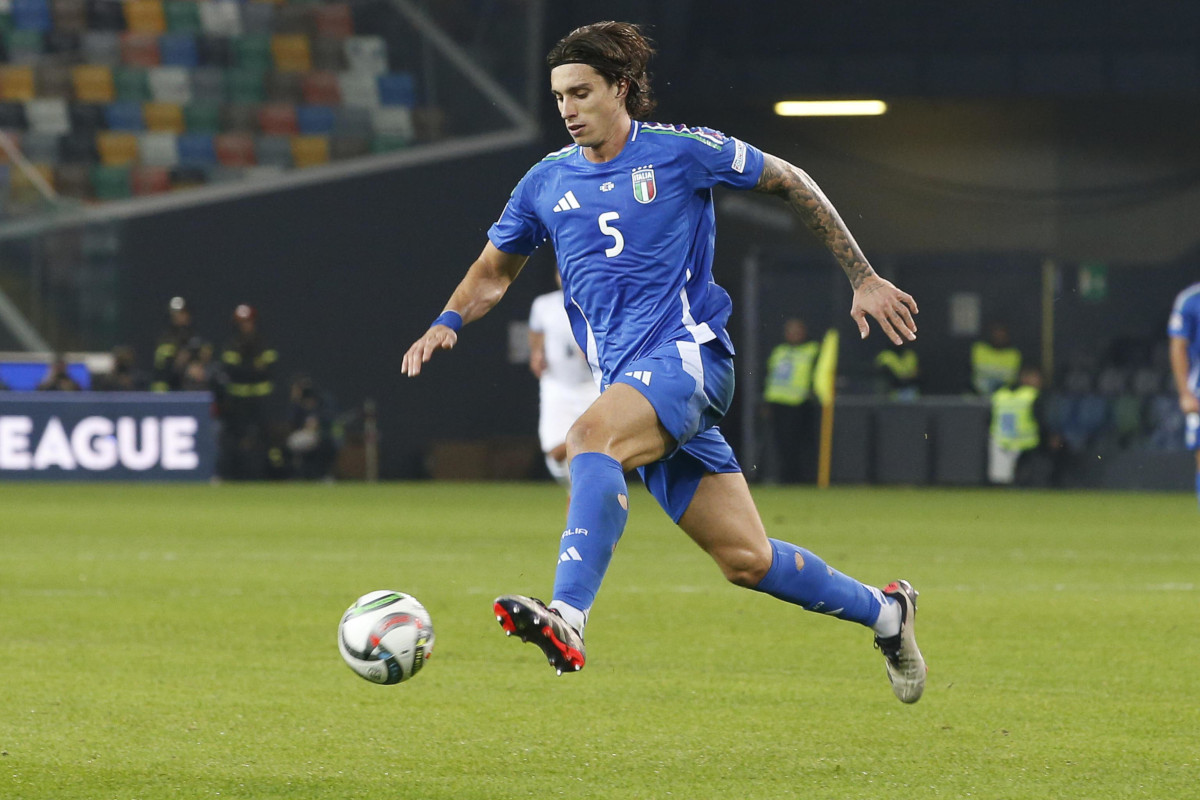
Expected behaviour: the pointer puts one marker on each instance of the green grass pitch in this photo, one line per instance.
(178, 642)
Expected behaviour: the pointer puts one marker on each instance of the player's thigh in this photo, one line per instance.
(724, 521)
(621, 424)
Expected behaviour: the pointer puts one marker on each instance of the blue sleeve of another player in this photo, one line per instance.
(735, 164)
(518, 230)
(1185, 316)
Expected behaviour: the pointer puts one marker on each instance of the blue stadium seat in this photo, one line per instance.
(397, 89)
(124, 116)
(197, 150)
(31, 15)
(316, 119)
(178, 50)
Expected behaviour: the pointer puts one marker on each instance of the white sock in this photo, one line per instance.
(888, 623)
(578, 619)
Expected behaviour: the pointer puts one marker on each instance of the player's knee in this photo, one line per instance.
(744, 568)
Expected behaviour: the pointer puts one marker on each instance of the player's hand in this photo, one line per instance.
(1189, 403)
(439, 337)
(891, 308)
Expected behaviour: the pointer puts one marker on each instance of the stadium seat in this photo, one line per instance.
(48, 116)
(328, 54)
(163, 117)
(170, 84)
(310, 151)
(343, 146)
(252, 51)
(290, 53)
(62, 46)
(73, 180)
(393, 121)
(140, 50)
(16, 82)
(278, 119)
(69, 15)
(295, 19)
(273, 151)
(93, 83)
(353, 122)
(320, 88)
(208, 85)
(387, 143)
(284, 87)
(12, 117)
(53, 80)
(397, 89)
(145, 16)
(183, 16)
(132, 84)
(101, 47)
(79, 147)
(24, 47)
(258, 18)
(359, 89)
(234, 149)
(334, 20)
(197, 150)
(221, 17)
(105, 15)
(150, 180)
(179, 49)
(87, 118)
(315, 119)
(117, 148)
(366, 54)
(202, 118)
(124, 115)
(1166, 423)
(31, 15)
(214, 51)
(246, 85)
(158, 149)
(41, 148)
(239, 117)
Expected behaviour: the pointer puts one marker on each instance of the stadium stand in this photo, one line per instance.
(115, 98)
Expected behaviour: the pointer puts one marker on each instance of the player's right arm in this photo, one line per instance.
(484, 284)
(1188, 402)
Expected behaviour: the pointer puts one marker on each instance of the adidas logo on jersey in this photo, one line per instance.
(639, 375)
(567, 202)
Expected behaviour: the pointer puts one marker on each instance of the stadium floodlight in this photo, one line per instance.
(830, 108)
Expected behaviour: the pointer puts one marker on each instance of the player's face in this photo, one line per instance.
(592, 108)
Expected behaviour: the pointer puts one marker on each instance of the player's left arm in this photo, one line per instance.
(1188, 402)
(891, 307)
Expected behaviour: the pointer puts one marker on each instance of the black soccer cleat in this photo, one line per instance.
(530, 619)
(905, 665)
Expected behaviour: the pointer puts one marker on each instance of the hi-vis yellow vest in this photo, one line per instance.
(1014, 426)
(903, 365)
(992, 368)
(790, 373)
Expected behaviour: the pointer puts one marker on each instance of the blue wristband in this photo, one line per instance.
(451, 319)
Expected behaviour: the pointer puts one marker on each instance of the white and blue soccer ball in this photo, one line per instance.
(386, 636)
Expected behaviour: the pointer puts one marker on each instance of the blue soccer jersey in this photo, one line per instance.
(1185, 323)
(633, 237)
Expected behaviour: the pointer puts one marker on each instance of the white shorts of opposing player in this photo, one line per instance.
(561, 404)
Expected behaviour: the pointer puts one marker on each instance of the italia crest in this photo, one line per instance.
(644, 189)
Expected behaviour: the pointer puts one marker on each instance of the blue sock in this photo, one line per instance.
(595, 521)
(800, 577)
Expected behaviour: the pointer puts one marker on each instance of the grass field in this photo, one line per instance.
(178, 642)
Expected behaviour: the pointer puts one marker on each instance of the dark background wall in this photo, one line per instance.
(1012, 138)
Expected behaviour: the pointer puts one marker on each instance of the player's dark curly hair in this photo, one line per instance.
(618, 51)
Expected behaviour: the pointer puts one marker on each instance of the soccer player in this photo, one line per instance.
(566, 386)
(629, 208)
(1184, 330)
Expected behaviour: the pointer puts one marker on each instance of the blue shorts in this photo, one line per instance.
(690, 386)
(1191, 431)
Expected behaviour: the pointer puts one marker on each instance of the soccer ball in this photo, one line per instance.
(386, 636)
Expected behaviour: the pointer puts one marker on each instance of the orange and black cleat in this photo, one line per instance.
(530, 619)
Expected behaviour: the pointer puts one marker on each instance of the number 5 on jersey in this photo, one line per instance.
(608, 230)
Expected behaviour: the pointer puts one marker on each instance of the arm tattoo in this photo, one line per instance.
(804, 197)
